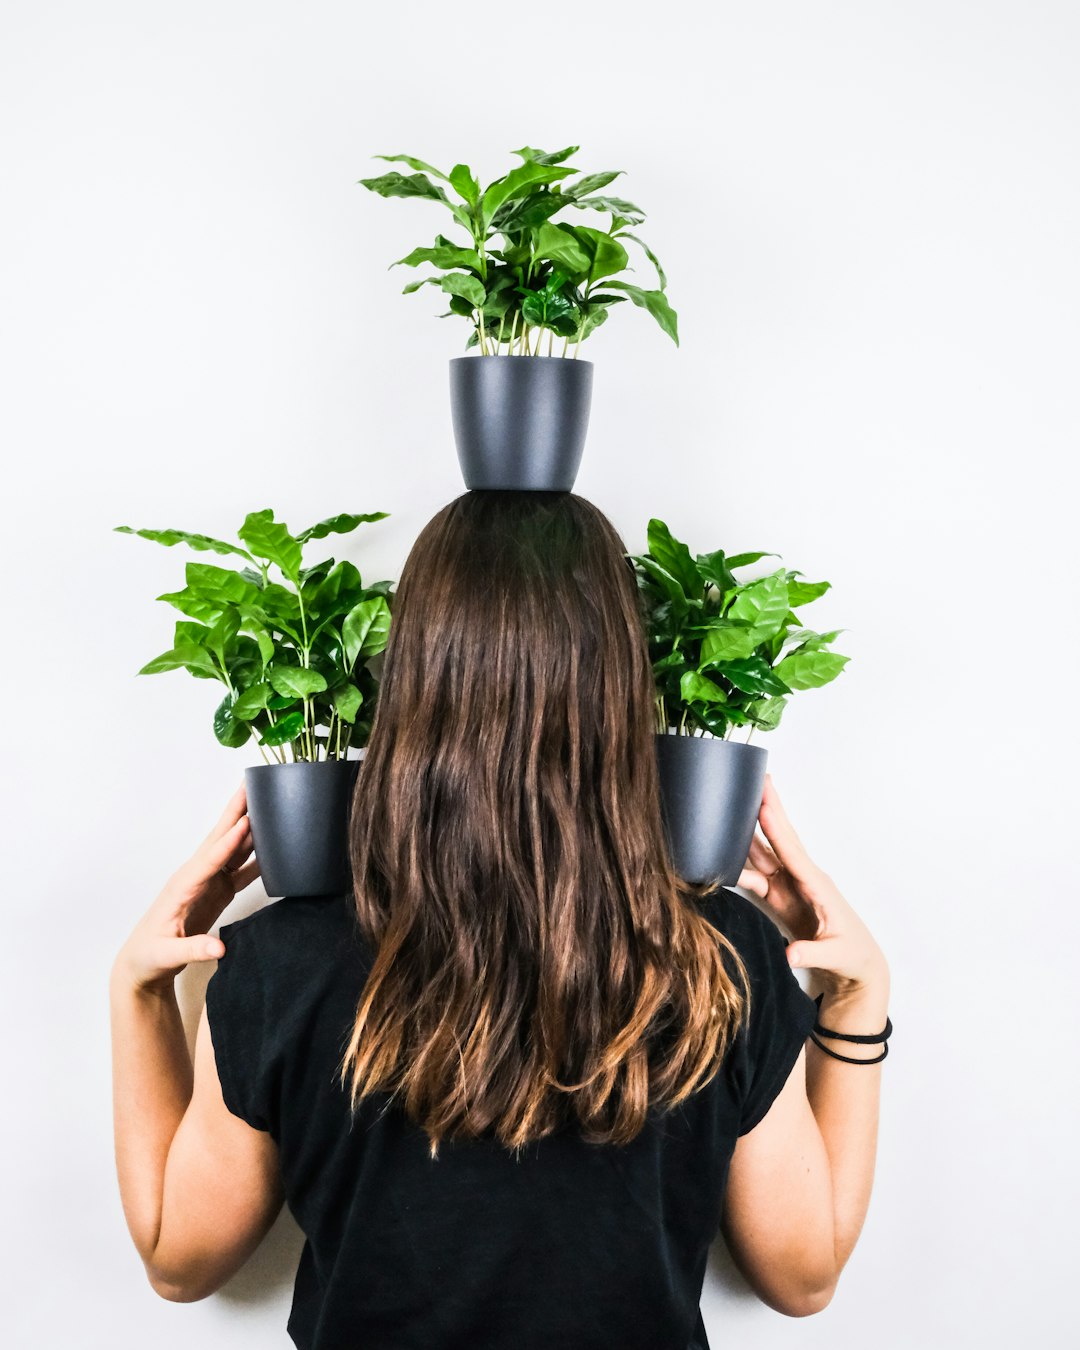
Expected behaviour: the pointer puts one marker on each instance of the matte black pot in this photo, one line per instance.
(520, 421)
(299, 825)
(710, 792)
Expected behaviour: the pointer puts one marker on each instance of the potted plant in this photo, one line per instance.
(726, 653)
(526, 272)
(292, 652)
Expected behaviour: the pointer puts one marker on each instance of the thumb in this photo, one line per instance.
(799, 954)
(201, 947)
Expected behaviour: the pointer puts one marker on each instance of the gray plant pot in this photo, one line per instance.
(710, 792)
(299, 817)
(520, 421)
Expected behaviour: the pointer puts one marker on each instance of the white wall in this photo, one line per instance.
(870, 214)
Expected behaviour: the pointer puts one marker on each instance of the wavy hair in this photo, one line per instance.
(537, 961)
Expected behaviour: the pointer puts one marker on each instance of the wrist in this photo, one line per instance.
(125, 983)
(859, 1010)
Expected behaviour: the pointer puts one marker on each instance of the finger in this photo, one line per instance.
(241, 853)
(816, 954)
(244, 876)
(174, 954)
(236, 807)
(781, 835)
(762, 857)
(752, 880)
(219, 851)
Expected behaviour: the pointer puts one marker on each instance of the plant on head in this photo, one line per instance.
(726, 653)
(292, 653)
(523, 273)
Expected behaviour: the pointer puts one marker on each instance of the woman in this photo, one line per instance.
(513, 1086)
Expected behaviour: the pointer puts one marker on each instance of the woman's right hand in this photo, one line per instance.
(829, 937)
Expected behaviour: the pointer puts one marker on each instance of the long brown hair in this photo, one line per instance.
(536, 957)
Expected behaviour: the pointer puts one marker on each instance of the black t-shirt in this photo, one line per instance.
(594, 1247)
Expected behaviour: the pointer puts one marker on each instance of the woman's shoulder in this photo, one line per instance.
(297, 936)
(751, 930)
(734, 914)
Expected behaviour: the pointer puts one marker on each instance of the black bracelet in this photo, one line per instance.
(848, 1059)
(857, 1040)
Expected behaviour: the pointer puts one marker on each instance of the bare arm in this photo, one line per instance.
(845, 1100)
(799, 1183)
(199, 1186)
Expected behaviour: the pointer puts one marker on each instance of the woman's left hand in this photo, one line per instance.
(175, 929)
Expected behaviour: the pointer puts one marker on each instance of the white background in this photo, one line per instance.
(870, 216)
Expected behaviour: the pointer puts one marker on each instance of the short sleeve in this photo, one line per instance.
(235, 1006)
(782, 1013)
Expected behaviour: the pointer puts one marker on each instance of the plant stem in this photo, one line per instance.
(513, 331)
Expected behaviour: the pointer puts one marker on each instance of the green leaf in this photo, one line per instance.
(625, 213)
(347, 700)
(413, 163)
(595, 315)
(726, 642)
(714, 568)
(591, 182)
(810, 669)
(194, 606)
(467, 287)
(342, 524)
(251, 702)
(446, 255)
(335, 593)
(365, 630)
(296, 681)
(278, 610)
(398, 185)
(607, 254)
(414, 286)
(464, 184)
(194, 634)
(695, 688)
(744, 559)
(221, 639)
(218, 585)
(674, 557)
(526, 213)
(763, 605)
(518, 182)
(228, 728)
(765, 713)
(656, 302)
(547, 308)
(802, 592)
(650, 255)
(754, 676)
(669, 586)
(270, 539)
(186, 656)
(544, 156)
(672, 661)
(559, 244)
(199, 542)
(285, 729)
